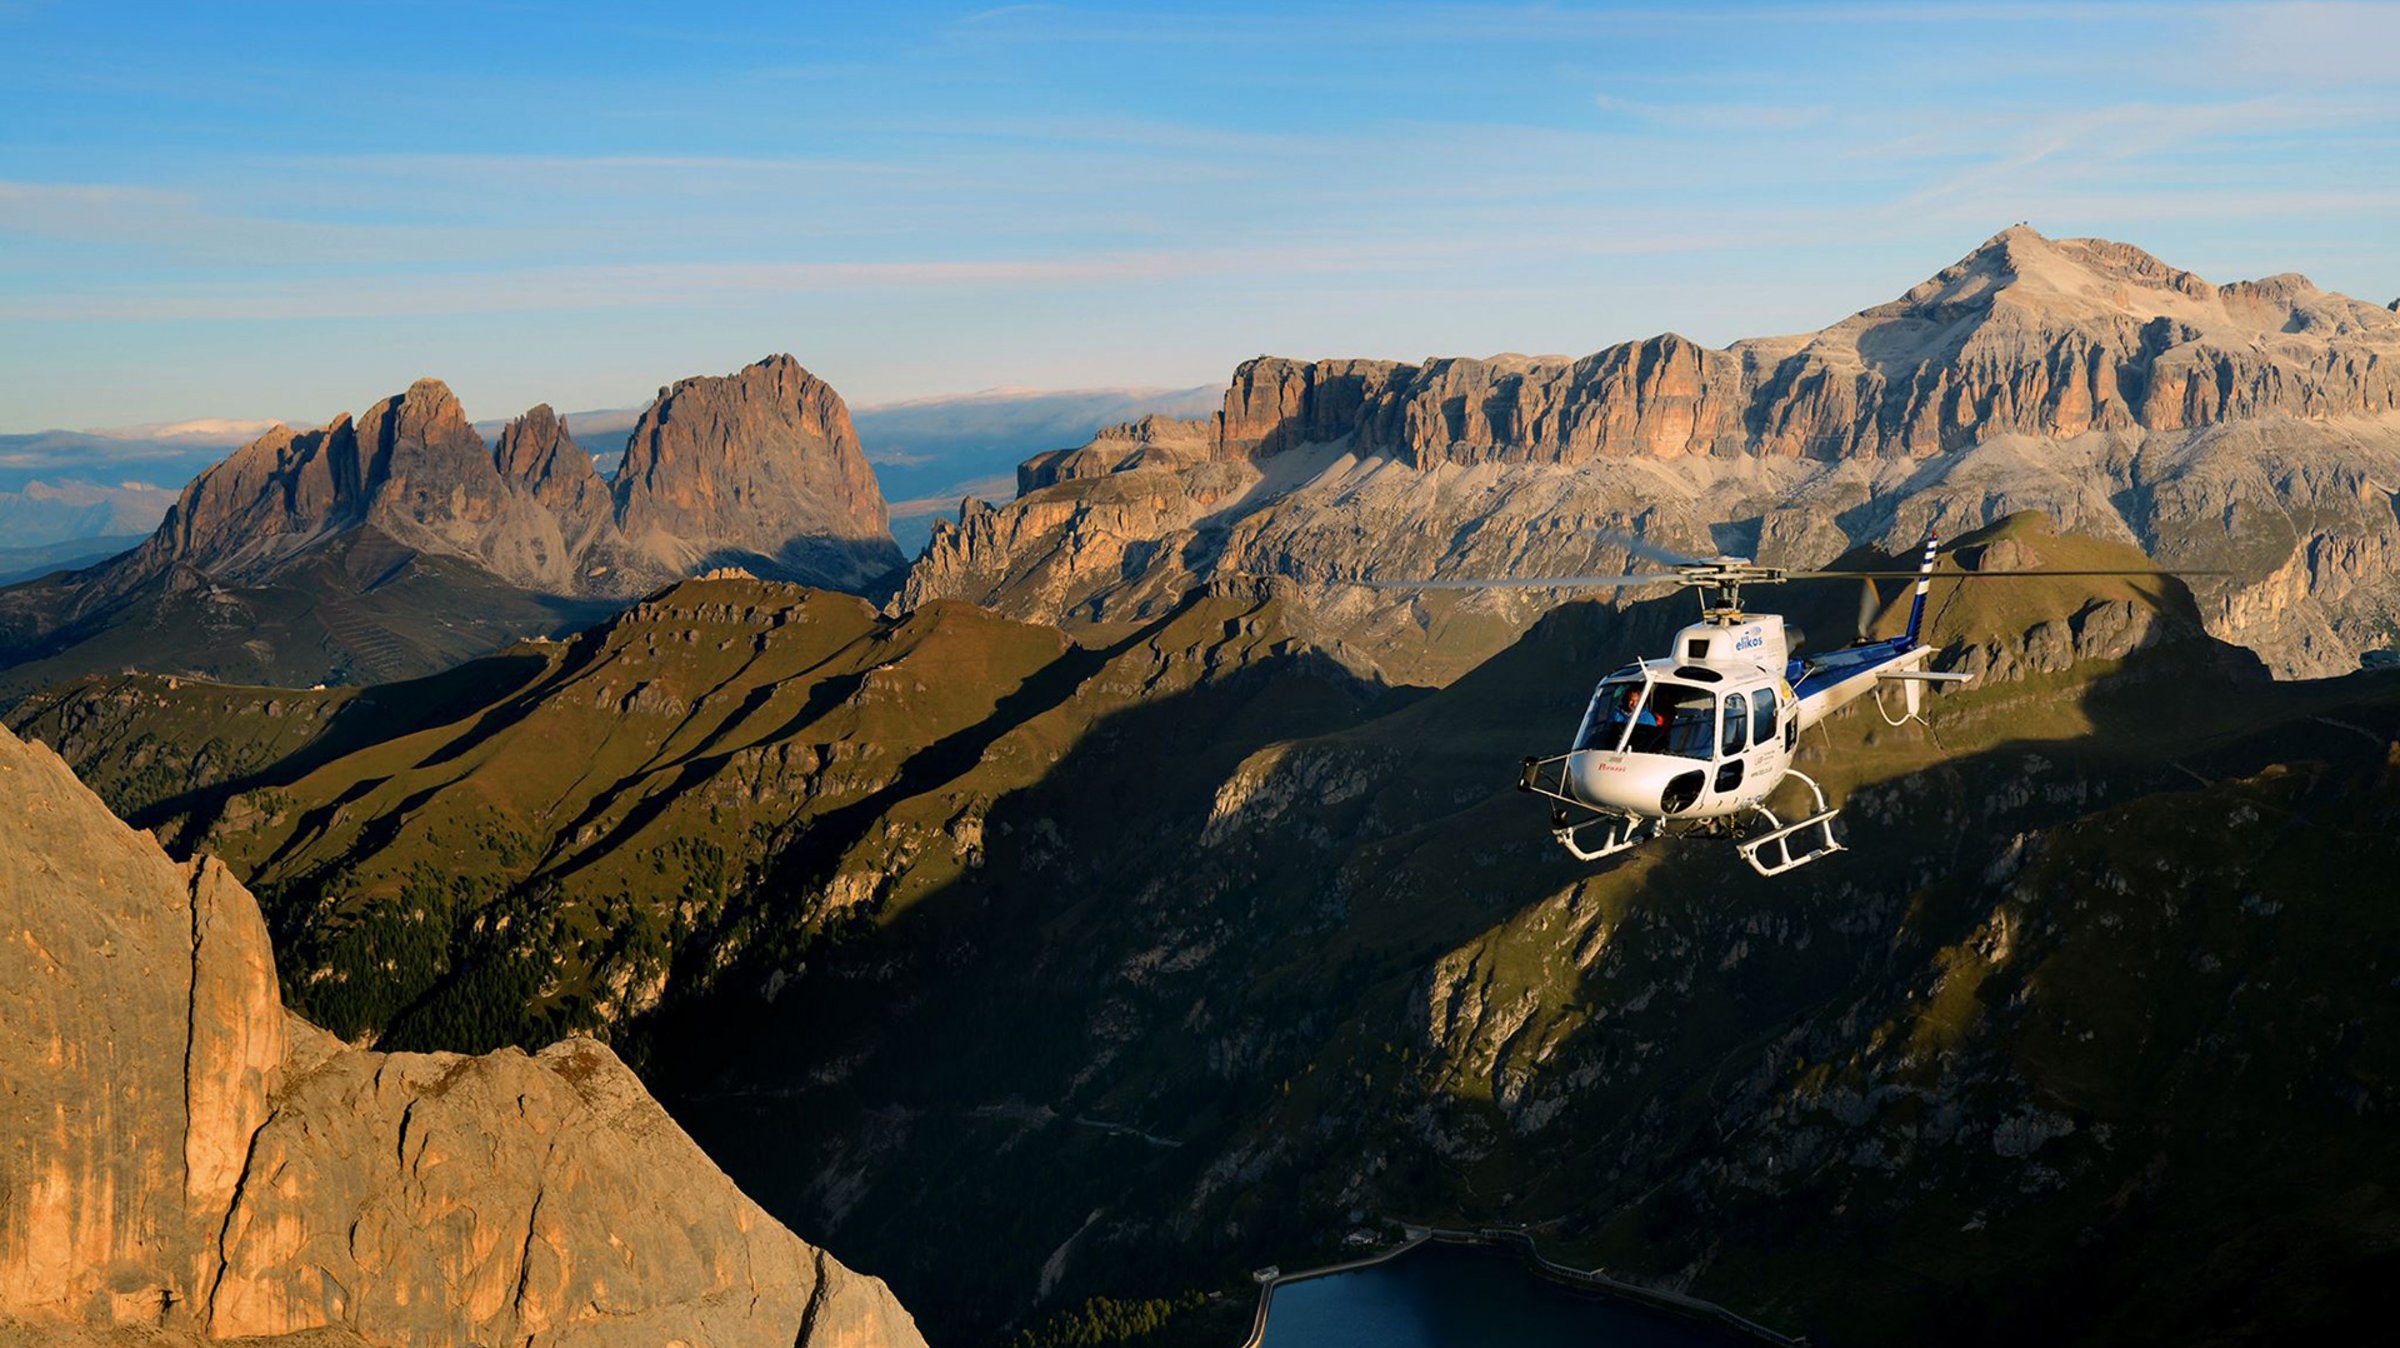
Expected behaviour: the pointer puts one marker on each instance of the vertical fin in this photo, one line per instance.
(1916, 609)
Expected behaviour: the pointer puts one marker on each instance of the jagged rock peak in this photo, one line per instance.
(536, 453)
(183, 1160)
(425, 432)
(760, 468)
(427, 408)
(529, 443)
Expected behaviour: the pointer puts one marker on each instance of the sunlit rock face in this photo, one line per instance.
(760, 466)
(178, 1152)
(2243, 428)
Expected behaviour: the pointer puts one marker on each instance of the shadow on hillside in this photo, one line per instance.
(369, 717)
(1115, 1015)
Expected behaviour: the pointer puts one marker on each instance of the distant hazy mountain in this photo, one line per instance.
(403, 542)
(70, 510)
(71, 554)
(2252, 427)
(57, 486)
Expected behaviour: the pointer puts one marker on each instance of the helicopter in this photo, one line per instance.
(1699, 738)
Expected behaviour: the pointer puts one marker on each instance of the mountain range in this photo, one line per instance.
(400, 542)
(86, 491)
(2252, 428)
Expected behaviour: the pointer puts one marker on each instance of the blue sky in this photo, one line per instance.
(285, 210)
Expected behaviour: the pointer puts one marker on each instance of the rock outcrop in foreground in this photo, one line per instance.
(179, 1153)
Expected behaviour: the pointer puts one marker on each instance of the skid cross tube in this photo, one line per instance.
(1785, 846)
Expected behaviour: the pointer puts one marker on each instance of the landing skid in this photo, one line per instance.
(1785, 846)
(1608, 831)
(1592, 834)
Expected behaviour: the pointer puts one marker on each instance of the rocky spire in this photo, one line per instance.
(537, 454)
(760, 468)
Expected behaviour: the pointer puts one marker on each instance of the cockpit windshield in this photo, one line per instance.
(1651, 718)
(1611, 711)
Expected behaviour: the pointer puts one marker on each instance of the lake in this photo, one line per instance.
(1452, 1296)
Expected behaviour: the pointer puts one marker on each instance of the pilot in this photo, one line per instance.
(1626, 699)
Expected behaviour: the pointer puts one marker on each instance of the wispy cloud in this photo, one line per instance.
(1088, 186)
(2321, 43)
(649, 284)
(1716, 117)
(78, 210)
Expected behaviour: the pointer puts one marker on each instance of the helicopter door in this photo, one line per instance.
(1732, 742)
(1762, 722)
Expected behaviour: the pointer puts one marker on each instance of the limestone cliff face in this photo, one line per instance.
(1664, 397)
(178, 1153)
(2026, 335)
(760, 467)
(2240, 427)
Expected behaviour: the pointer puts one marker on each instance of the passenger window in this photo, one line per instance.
(1762, 717)
(1737, 723)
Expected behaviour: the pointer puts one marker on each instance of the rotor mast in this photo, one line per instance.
(1720, 585)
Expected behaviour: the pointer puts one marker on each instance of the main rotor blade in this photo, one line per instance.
(1643, 547)
(1987, 575)
(1528, 582)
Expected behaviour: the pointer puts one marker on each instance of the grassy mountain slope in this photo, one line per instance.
(700, 787)
(366, 610)
(1355, 979)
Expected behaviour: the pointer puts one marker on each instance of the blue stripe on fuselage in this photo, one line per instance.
(1815, 675)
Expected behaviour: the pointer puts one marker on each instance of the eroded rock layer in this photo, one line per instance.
(2026, 335)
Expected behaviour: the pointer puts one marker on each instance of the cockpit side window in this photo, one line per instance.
(1737, 723)
(1762, 716)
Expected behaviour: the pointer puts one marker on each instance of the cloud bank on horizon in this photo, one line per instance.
(295, 208)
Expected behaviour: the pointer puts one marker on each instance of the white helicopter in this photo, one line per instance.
(1701, 737)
